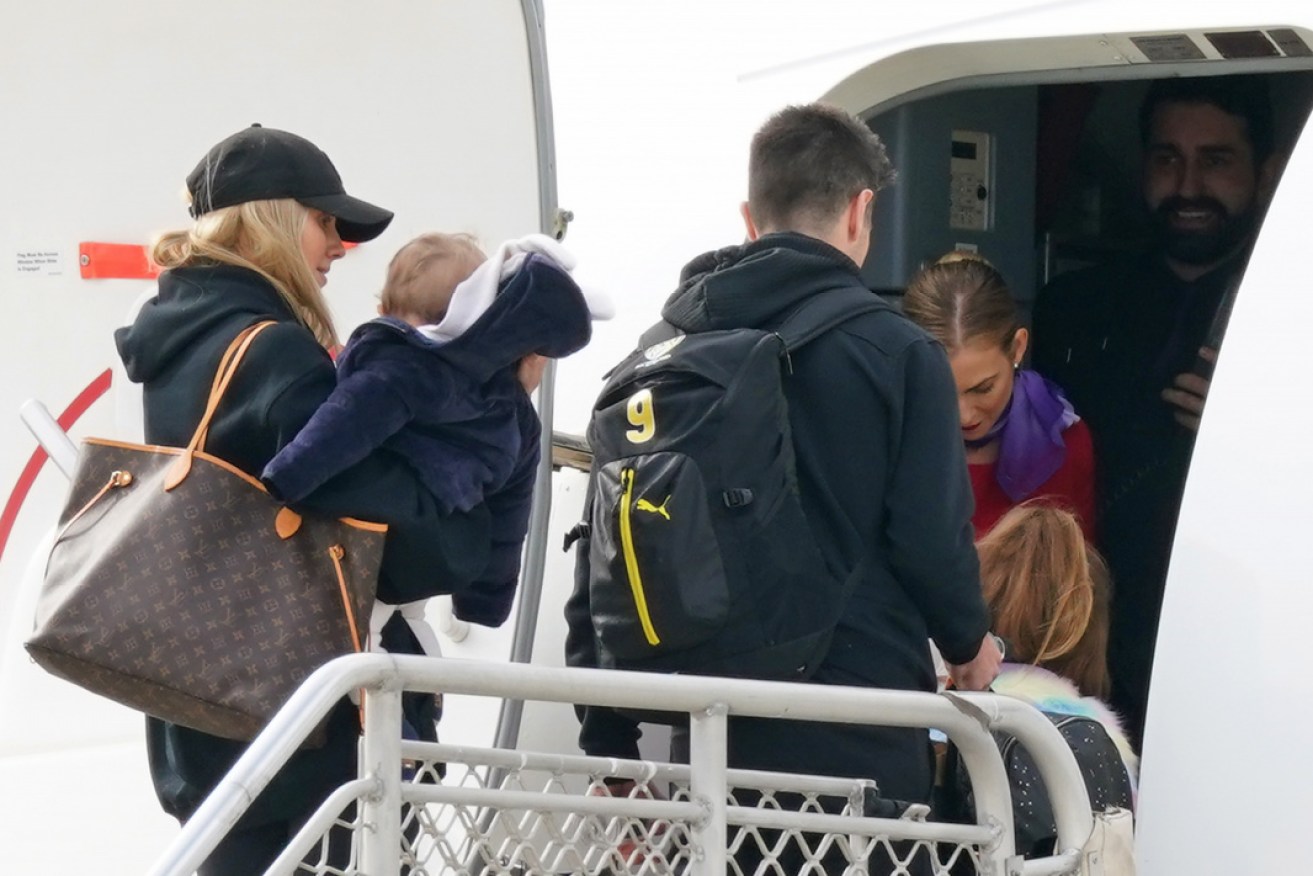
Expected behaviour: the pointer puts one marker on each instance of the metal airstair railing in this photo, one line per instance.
(704, 813)
(705, 806)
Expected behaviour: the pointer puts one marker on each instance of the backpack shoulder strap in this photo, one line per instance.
(821, 312)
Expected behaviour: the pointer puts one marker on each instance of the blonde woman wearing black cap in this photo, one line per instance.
(270, 217)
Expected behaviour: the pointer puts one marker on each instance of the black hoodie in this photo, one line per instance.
(173, 348)
(881, 467)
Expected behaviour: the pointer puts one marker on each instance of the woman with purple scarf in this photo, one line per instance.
(1023, 440)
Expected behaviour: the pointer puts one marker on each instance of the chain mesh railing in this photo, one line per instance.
(493, 821)
(462, 836)
(425, 809)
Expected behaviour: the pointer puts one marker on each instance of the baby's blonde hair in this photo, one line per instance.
(265, 237)
(425, 272)
(1048, 593)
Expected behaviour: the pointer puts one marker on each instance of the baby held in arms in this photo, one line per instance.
(442, 379)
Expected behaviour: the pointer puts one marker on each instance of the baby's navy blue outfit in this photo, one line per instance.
(454, 411)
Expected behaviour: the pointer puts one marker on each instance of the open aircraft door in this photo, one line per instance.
(1223, 787)
(436, 110)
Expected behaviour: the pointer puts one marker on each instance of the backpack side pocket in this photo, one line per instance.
(658, 585)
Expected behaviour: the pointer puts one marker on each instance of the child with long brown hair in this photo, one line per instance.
(1048, 593)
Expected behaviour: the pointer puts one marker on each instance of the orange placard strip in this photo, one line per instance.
(122, 261)
(115, 261)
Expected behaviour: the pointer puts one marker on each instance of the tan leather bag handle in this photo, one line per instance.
(232, 357)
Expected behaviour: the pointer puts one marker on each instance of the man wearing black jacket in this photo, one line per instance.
(880, 463)
(1132, 341)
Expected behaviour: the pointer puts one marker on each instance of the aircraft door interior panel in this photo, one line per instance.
(966, 180)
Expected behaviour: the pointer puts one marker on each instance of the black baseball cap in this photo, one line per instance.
(263, 164)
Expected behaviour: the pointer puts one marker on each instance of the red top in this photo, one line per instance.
(1071, 487)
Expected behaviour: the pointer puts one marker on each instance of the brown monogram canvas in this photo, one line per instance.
(188, 604)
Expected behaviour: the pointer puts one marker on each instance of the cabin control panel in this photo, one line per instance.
(971, 182)
(991, 137)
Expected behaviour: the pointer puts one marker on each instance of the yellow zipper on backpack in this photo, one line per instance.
(631, 559)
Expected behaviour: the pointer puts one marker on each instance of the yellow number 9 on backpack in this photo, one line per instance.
(643, 416)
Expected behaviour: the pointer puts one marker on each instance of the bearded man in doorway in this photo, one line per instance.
(1133, 341)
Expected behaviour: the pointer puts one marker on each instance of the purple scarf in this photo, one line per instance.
(1029, 431)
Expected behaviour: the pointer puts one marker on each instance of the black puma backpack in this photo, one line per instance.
(700, 559)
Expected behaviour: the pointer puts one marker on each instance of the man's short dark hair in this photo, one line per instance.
(807, 162)
(1245, 97)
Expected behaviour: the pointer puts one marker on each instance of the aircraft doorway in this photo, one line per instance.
(1054, 161)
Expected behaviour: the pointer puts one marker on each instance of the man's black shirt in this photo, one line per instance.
(1114, 337)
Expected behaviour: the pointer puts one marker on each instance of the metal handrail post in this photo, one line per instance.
(1053, 758)
(277, 742)
(708, 786)
(549, 215)
(993, 796)
(380, 758)
(529, 600)
(50, 435)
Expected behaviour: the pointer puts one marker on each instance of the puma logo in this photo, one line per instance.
(644, 505)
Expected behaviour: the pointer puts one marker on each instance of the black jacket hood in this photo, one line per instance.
(755, 284)
(192, 304)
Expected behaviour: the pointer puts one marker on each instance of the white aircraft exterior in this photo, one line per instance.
(442, 110)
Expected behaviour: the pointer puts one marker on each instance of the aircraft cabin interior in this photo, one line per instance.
(1039, 177)
(1041, 174)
